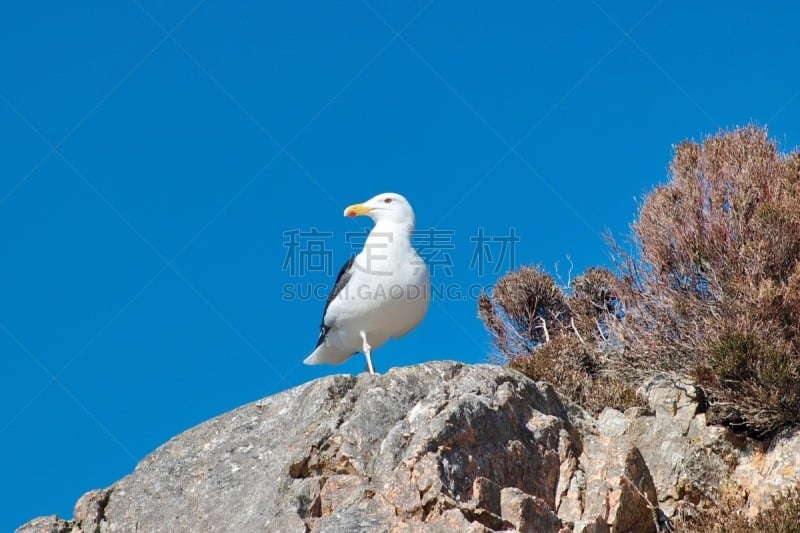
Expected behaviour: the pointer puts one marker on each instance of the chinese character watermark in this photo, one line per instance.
(310, 251)
(306, 251)
(503, 245)
(433, 246)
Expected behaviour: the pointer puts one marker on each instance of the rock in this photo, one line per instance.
(486, 494)
(696, 464)
(610, 488)
(528, 514)
(46, 524)
(438, 447)
(90, 510)
(612, 423)
(763, 474)
(428, 447)
(689, 461)
(598, 525)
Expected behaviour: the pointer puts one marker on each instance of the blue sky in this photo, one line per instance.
(157, 157)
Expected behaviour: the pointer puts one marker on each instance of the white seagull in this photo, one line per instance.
(381, 293)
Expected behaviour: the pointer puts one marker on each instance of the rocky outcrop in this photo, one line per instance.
(435, 447)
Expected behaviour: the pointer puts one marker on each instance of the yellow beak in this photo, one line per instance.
(356, 210)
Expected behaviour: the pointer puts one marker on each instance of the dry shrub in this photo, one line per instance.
(782, 516)
(711, 293)
(550, 336)
(526, 307)
(715, 290)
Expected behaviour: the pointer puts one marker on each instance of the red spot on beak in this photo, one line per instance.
(351, 213)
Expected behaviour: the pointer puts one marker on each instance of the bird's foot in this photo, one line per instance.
(367, 349)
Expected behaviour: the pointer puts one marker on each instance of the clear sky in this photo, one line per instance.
(173, 176)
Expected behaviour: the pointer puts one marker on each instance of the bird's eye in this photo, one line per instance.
(387, 200)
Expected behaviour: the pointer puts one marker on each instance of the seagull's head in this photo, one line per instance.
(388, 206)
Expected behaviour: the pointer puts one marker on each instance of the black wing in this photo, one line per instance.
(341, 280)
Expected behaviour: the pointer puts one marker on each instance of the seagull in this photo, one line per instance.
(380, 293)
